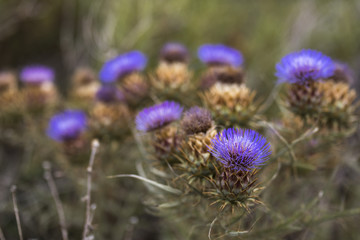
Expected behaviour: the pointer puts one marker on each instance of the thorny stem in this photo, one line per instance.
(55, 194)
(16, 211)
(88, 217)
(2, 237)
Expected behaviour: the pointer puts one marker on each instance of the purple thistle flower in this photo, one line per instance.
(36, 74)
(240, 150)
(303, 66)
(157, 116)
(121, 65)
(174, 52)
(67, 125)
(220, 54)
(109, 93)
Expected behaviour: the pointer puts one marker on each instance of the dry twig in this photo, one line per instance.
(89, 216)
(55, 194)
(16, 211)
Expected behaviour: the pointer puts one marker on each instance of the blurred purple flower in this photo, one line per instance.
(109, 93)
(220, 54)
(67, 125)
(303, 66)
(240, 150)
(121, 65)
(36, 74)
(157, 116)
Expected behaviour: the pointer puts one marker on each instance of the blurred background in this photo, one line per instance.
(66, 34)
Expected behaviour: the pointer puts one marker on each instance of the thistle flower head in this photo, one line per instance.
(303, 66)
(218, 54)
(122, 65)
(109, 93)
(36, 74)
(84, 76)
(196, 120)
(174, 52)
(240, 150)
(157, 116)
(67, 125)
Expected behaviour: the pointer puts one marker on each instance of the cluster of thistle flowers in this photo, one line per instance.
(223, 164)
(318, 89)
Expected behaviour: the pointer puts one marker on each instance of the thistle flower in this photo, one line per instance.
(196, 120)
(84, 87)
(157, 116)
(218, 54)
(304, 66)
(109, 93)
(36, 74)
(122, 65)
(67, 125)
(135, 88)
(83, 77)
(174, 52)
(240, 150)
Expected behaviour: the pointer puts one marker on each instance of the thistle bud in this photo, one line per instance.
(39, 92)
(337, 104)
(109, 116)
(135, 88)
(8, 83)
(223, 74)
(11, 102)
(172, 78)
(196, 120)
(174, 53)
(342, 73)
(198, 125)
(84, 85)
(230, 103)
